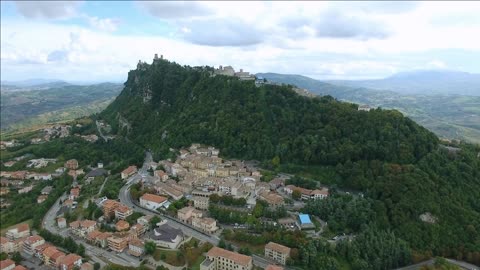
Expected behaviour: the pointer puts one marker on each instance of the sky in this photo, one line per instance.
(102, 41)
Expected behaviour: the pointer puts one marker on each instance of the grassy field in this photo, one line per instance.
(172, 257)
(196, 264)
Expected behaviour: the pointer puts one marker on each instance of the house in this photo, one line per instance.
(136, 247)
(74, 193)
(68, 203)
(40, 176)
(222, 259)
(128, 172)
(86, 266)
(82, 228)
(71, 164)
(117, 243)
(4, 191)
(161, 175)
(6, 246)
(273, 267)
(122, 225)
(99, 238)
(307, 194)
(96, 173)
(41, 198)
(19, 231)
(18, 175)
(287, 223)
(273, 199)
(25, 189)
(365, 108)
(46, 190)
(20, 267)
(52, 256)
(319, 194)
(186, 214)
(9, 164)
(61, 222)
(201, 202)
(208, 225)
(137, 230)
(277, 252)
(166, 236)
(145, 220)
(152, 201)
(31, 243)
(122, 212)
(168, 190)
(38, 251)
(70, 261)
(109, 207)
(7, 264)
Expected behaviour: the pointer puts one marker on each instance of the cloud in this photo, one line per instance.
(382, 7)
(175, 10)
(334, 24)
(214, 32)
(57, 56)
(107, 24)
(47, 9)
(437, 64)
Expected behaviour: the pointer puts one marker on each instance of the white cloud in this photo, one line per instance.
(106, 24)
(256, 36)
(47, 9)
(437, 64)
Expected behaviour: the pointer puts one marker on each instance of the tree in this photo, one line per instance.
(150, 247)
(3, 256)
(154, 221)
(96, 266)
(81, 250)
(221, 243)
(17, 257)
(276, 161)
(296, 194)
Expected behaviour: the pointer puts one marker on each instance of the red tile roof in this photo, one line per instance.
(153, 198)
(277, 247)
(233, 256)
(6, 263)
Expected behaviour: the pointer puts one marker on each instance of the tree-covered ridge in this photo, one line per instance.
(397, 164)
(189, 105)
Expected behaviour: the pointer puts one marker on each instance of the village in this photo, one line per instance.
(170, 210)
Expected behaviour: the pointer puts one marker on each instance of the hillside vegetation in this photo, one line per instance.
(398, 165)
(448, 115)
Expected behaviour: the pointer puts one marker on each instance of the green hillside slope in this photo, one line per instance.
(397, 164)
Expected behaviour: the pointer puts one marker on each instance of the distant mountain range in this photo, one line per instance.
(449, 112)
(425, 82)
(38, 102)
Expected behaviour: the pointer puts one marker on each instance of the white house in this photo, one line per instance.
(152, 201)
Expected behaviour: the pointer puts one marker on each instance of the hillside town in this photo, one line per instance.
(175, 198)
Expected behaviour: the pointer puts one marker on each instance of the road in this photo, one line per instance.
(100, 131)
(126, 199)
(462, 265)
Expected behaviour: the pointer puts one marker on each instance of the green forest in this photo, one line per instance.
(400, 167)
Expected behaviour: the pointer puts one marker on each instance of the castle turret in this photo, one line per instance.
(156, 57)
